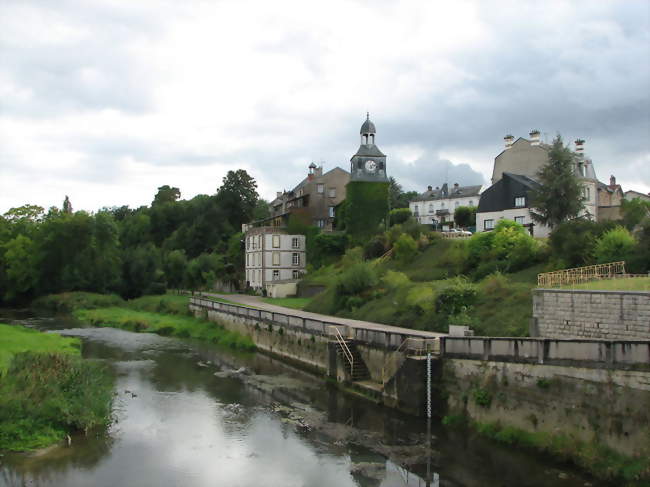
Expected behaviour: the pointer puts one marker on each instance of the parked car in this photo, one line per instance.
(458, 231)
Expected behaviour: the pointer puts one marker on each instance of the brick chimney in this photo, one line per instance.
(429, 188)
(508, 139)
(534, 137)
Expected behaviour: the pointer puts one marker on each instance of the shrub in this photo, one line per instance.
(458, 297)
(399, 215)
(412, 228)
(421, 298)
(326, 248)
(573, 243)
(405, 248)
(356, 279)
(395, 280)
(482, 397)
(376, 247)
(617, 244)
(465, 216)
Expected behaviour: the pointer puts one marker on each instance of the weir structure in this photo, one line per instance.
(589, 389)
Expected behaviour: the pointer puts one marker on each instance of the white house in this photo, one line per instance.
(273, 257)
(437, 206)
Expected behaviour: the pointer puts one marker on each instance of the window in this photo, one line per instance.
(296, 274)
(248, 243)
(520, 201)
(295, 259)
(520, 219)
(276, 275)
(471, 202)
(276, 258)
(295, 243)
(430, 207)
(457, 204)
(416, 210)
(276, 241)
(442, 204)
(320, 188)
(248, 259)
(332, 193)
(488, 224)
(586, 193)
(320, 223)
(331, 212)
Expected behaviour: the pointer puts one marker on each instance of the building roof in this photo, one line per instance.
(501, 195)
(368, 127)
(287, 194)
(438, 194)
(369, 150)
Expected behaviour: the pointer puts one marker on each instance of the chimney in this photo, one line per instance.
(437, 188)
(429, 188)
(508, 139)
(455, 185)
(445, 190)
(612, 181)
(580, 147)
(534, 137)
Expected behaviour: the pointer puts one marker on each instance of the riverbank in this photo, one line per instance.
(166, 315)
(47, 391)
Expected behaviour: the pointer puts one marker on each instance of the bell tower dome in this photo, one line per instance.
(369, 163)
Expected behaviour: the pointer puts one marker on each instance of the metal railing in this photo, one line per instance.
(579, 275)
(336, 333)
(410, 346)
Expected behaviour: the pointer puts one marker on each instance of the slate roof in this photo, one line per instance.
(501, 195)
(460, 192)
(368, 127)
(369, 150)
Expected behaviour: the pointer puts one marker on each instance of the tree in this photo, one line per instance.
(634, 212)
(262, 210)
(21, 267)
(559, 196)
(175, 266)
(465, 216)
(166, 194)
(615, 245)
(399, 215)
(67, 206)
(397, 197)
(238, 197)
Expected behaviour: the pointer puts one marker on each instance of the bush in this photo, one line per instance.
(356, 279)
(405, 248)
(45, 396)
(465, 216)
(617, 244)
(326, 248)
(573, 243)
(395, 280)
(399, 215)
(412, 228)
(68, 302)
(456, 298)
(376, 247)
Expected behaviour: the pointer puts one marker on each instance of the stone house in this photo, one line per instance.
(437, 206)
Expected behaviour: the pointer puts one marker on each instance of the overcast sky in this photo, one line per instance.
(105, 100)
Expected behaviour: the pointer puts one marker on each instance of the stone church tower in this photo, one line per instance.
(369, 163)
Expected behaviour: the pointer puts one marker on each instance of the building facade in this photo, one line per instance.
(437, 206)
(313, 200)
(272, 255)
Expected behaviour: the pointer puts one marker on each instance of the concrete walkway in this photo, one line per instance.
(256, 302)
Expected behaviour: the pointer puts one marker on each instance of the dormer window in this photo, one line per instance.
(520, 201)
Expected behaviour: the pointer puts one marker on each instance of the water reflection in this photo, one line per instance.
(179, 424)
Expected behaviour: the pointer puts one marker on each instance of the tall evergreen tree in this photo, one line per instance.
(559, 197)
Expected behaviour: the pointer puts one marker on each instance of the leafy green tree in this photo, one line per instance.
(21, 267)
(175, 266)
(634, 212)
(262, 210)
(399, 215)
(573, 243)
(559, 197)
(141, 271)
(397, 197)
(615, 245)
(238, 197)
(67, 206)
(465, 216)
(166, 194)
(32, 213)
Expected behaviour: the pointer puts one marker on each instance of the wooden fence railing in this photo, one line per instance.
(579, 275)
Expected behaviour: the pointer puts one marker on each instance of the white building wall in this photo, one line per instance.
(539, 230)
(426, 210)
(263, 258)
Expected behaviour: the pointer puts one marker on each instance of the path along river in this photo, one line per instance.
(187, 414)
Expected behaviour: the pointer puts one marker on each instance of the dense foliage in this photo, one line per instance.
(367, 208)
(559, 197)
(126, 251)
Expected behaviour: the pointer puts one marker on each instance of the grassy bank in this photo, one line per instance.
(628, 284)
(597, 459)
(164, 324)
(47, 390)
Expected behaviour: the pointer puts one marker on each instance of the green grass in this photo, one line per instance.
(47, 390)
(295, 303)
(598, 459)
(68, 302)
(627, 284)
(174, 304)
(164, 324)
(18, 339)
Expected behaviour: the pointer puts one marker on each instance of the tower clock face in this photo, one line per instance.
(371, 166)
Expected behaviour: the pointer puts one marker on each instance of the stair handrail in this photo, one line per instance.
(344, 346)
(404, 348)
(392, 358)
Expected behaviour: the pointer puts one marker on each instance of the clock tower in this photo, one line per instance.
(369, 163)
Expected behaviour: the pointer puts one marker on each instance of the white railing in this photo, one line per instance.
(336, 333)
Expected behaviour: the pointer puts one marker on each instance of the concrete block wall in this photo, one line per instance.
(566, 313)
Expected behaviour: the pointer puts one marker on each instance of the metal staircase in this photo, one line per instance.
(351, 358)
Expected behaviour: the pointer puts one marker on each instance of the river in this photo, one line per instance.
(189, 414)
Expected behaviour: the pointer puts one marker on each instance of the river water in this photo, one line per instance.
(188, 414)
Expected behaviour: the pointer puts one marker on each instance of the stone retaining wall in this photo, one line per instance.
(566, 313)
